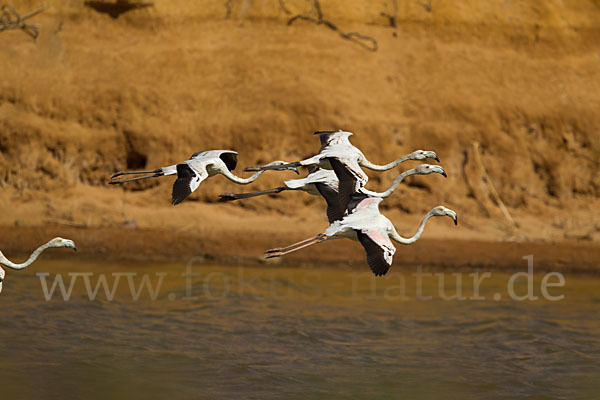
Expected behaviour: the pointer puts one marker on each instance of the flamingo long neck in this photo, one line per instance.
(242, 181)
(402, 240)
(9, 264)
(392, 187)
(367, 164)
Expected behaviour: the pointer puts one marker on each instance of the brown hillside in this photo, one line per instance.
(95, 95)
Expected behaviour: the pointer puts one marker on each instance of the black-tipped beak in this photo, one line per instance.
(455, 220)
(445, 175)
(74, 248)
(437, 159)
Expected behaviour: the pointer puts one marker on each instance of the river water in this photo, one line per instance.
(277, 332)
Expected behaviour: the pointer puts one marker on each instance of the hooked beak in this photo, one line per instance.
(437, 159)
(74, 248)
(455, 220)
(295, 170)
(445, 175)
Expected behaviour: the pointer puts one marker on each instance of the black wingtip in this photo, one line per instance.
(177, 199)
(324, 132)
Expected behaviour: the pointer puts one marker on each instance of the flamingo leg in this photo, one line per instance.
(236, 196)
(274, 167)
(297, 246)
(310, 239)
(156, 175)
(150, 171)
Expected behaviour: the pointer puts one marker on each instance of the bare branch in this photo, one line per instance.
(351, 36)
(11, 19)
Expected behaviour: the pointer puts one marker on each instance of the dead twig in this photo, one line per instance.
(367, 42)
(426, 5)
(283, 7)
(11, 19)
(392, 18)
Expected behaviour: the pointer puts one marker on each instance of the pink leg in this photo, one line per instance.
(305, 243)
(278, 249)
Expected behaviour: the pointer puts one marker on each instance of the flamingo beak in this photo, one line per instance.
(437, 159)
(455, 220)
(74, 248)
(444, 174)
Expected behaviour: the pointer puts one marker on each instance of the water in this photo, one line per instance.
(296, 333)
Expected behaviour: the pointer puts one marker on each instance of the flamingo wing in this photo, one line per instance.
(379, 250)
(347, 185)
(187, 181)
(334, 211)
(230, 159)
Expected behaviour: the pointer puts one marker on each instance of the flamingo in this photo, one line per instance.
(367, 225)
(325, 183)
(339, 155)
(192, 172)
(56, 242)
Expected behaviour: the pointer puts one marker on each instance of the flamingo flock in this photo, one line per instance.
(335, 173)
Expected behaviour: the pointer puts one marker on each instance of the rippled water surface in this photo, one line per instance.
(293, 333)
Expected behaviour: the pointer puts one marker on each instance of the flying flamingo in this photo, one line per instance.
(339, 155)
(192, 172)
(367, 225)
(56, 242)
(325, 182)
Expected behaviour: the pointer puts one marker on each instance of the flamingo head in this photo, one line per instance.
(426, 169)
(423, 154)
(441, 211)
(1, 278)
(60, 242)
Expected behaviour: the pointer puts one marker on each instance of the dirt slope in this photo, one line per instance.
(95, 94)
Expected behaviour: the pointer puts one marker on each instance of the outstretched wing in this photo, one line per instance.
(334, 212)
(230, 159)
(379, 248)
(187, 181)
(347, 182)
(324, 136)
(355, 200)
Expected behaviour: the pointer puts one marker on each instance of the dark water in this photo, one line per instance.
(283, 333)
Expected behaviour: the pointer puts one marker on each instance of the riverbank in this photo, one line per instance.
(246, 248)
